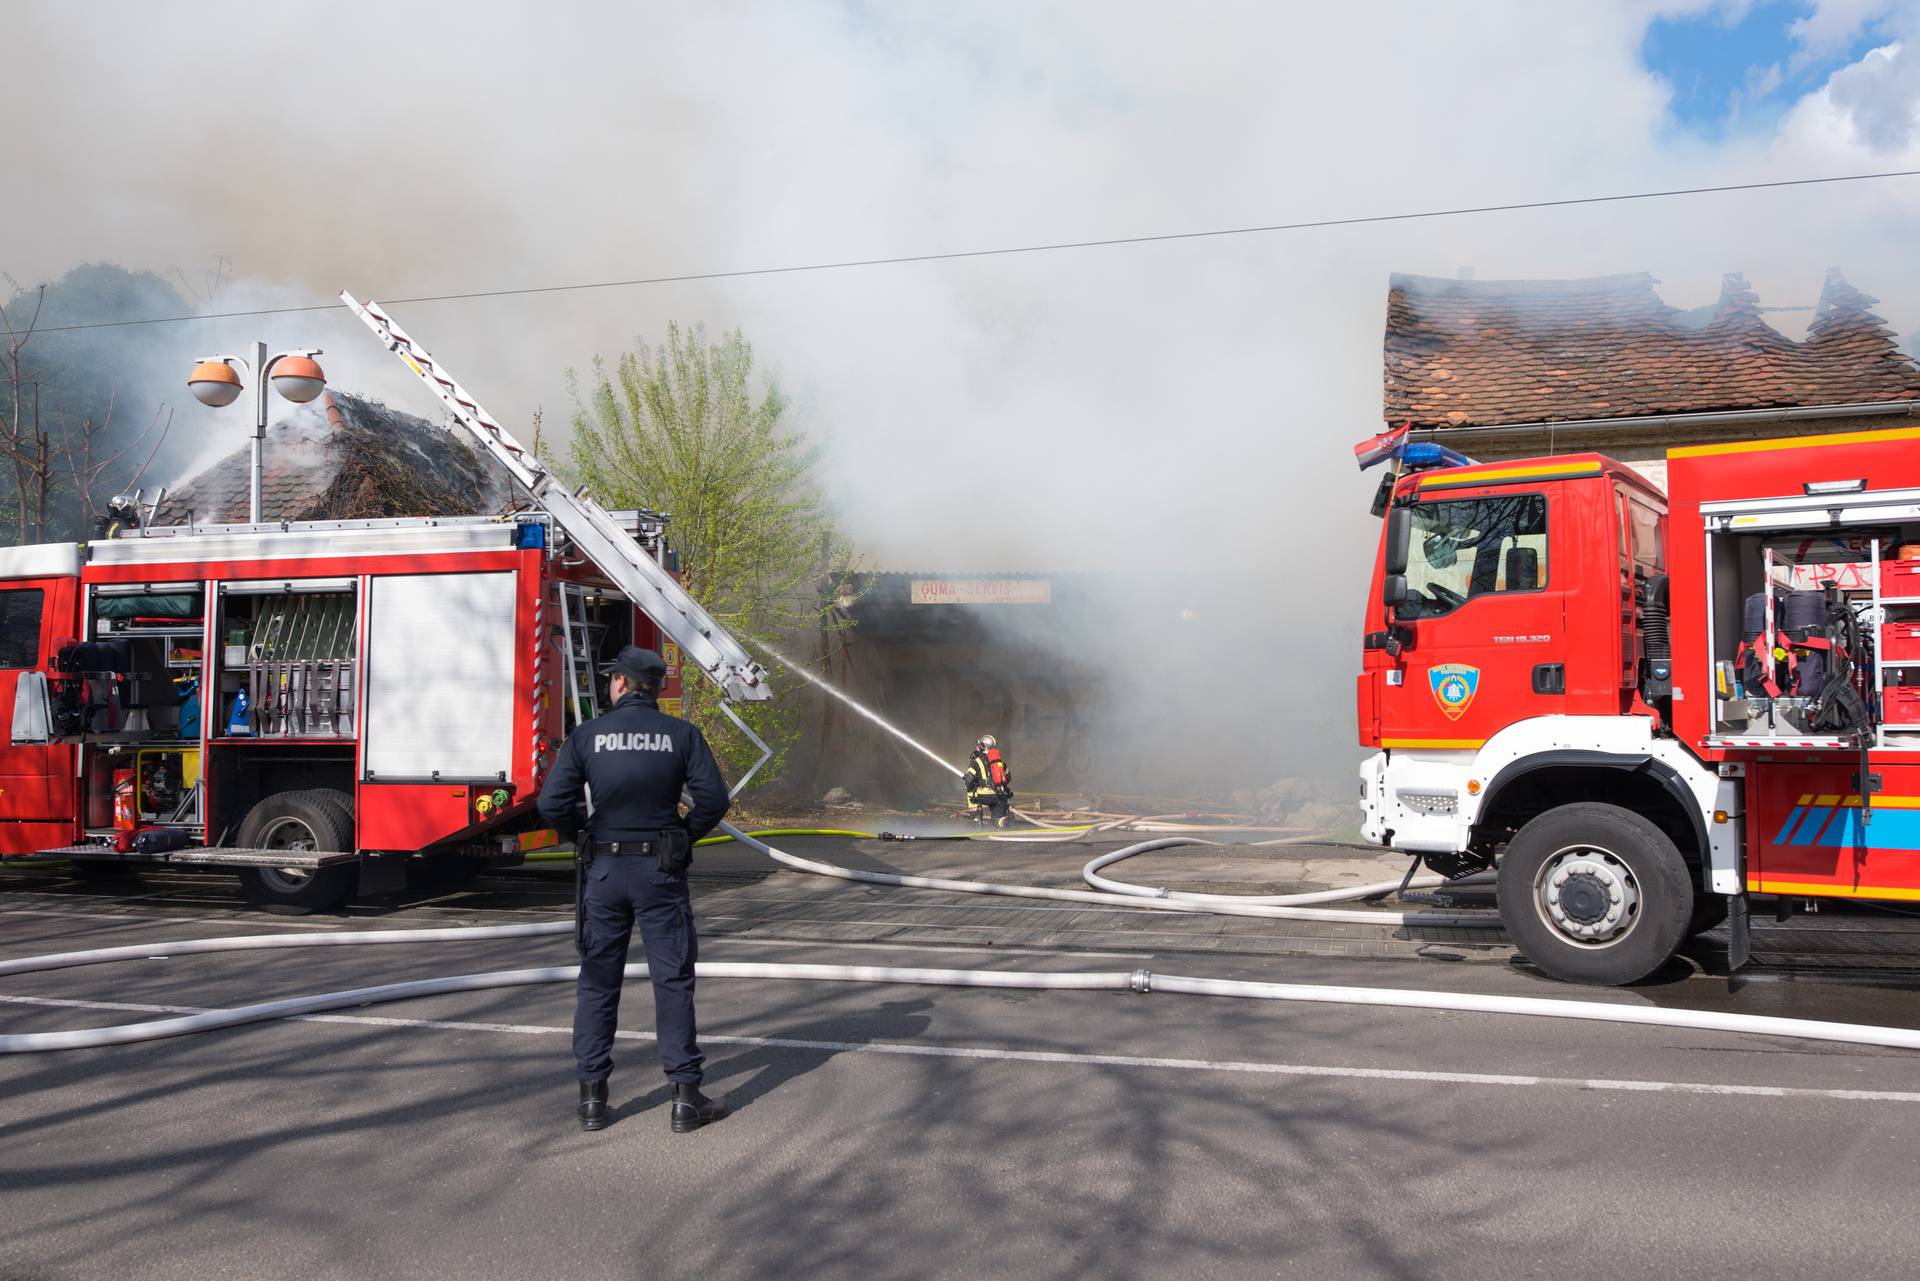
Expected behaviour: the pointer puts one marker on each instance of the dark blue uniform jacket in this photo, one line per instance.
(633, 762)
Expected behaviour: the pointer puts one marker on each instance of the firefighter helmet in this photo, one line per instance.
(986, 743)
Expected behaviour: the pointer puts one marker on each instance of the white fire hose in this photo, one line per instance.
(1112, 980)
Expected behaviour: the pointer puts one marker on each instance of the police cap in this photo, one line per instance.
(641, 666)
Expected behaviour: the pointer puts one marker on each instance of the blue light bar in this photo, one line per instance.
(1428, 454)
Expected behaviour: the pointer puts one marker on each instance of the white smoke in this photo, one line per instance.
(1164, 407)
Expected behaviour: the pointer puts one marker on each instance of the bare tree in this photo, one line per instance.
(21, 440)
(47, 453)
(212, 279)
(98, 468)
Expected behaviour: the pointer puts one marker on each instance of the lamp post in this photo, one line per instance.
(295, 374)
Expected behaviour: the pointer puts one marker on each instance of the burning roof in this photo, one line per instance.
(345, 458)
(1465, 352)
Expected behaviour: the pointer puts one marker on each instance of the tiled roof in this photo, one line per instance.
(345, 458)
(1466, 352)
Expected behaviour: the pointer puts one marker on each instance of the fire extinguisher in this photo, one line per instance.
(123, 811)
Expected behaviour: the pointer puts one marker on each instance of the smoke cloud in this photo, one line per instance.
(1171, 409)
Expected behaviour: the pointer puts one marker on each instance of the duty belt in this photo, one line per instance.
(618, 849)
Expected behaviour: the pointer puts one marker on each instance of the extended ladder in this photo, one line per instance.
(703, 642)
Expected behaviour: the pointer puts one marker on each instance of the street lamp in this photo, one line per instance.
(296, 375)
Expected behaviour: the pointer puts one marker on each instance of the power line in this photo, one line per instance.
(1008, 250)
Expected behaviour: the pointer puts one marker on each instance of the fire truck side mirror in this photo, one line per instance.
(1399, 540)
(32, 710)
(1393, 590)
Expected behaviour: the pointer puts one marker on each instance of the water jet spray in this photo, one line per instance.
(861, 708)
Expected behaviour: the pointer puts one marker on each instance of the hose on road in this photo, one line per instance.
(1117, 980)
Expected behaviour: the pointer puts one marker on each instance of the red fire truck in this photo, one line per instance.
(318, 705)
(1641, 707)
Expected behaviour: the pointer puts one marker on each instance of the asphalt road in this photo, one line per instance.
(884, 1131)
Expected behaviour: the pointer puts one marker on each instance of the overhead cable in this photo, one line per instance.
(1008, 250)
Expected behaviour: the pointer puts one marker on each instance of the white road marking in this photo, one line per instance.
(716, 940)
(1001, 1054)
(136, 918)
(1065, 954)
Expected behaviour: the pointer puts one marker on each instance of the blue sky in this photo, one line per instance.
(1734, 71)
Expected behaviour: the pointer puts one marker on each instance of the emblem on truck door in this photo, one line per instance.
(1454, 685)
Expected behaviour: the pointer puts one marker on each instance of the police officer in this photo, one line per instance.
(632, 763)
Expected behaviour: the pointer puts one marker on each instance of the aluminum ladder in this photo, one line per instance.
(579, 650)
(703, 642)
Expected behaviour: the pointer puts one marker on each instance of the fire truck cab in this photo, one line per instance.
(315, 706)
(1638, 707)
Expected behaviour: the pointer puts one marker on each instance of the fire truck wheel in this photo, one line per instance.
(315, 820)
(1595, 893)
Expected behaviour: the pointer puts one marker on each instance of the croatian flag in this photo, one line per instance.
(1381, 447)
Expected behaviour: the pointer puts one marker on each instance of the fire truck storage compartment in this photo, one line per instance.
(125, 786)
(1900, 643)
(440, 678)
(286, 659)
(1876, 569)
(238, 777)
(590, 627)
(145, 662)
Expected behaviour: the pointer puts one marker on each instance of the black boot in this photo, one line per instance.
(692, 1109)
(593, 1105)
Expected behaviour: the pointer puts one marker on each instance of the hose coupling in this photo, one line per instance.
(1161, 891)
(1142, 981)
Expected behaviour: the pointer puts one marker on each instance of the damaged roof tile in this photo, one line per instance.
(1490, 352)
(343, 457)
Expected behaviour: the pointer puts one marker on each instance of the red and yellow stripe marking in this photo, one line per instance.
(1831, 889)
(1793, 442)
(1833, 799)
(1507, 475)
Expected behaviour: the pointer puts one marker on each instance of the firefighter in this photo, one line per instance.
(123, 513)
(634, 847)
(989, 782)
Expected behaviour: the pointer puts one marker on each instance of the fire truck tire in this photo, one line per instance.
(1595, 893)
(317, 819)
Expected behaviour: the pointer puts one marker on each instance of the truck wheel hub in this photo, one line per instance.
(1588, 894)
(1583, 898)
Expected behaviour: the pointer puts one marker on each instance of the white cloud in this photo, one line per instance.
(1832, 25)
(1760, 84)
(1880, 98)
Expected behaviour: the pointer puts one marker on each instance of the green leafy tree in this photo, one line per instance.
(679, 428)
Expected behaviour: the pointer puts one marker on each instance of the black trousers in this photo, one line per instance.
(621, 892)
(994, 804)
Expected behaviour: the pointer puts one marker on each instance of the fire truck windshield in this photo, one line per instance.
(1462, 548)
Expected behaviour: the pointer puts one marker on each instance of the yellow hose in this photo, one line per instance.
(790, 831)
